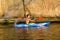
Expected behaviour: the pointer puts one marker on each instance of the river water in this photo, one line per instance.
(8, 32)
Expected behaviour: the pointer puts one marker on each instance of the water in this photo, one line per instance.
(8, 32)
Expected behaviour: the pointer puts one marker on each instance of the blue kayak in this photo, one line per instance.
(46, 24)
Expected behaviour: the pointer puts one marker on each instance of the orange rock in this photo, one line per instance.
(20, 18)
(40, 18)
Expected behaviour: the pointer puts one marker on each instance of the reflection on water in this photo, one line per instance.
(8, 32)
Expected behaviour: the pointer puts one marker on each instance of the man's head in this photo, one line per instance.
(28, 15)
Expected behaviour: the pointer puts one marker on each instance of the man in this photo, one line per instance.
(28, 19)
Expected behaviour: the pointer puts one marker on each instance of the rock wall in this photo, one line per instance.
(43, 8)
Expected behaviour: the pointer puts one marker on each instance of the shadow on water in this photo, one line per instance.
(55, 22)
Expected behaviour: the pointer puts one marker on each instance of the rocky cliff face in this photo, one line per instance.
(43, 8)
